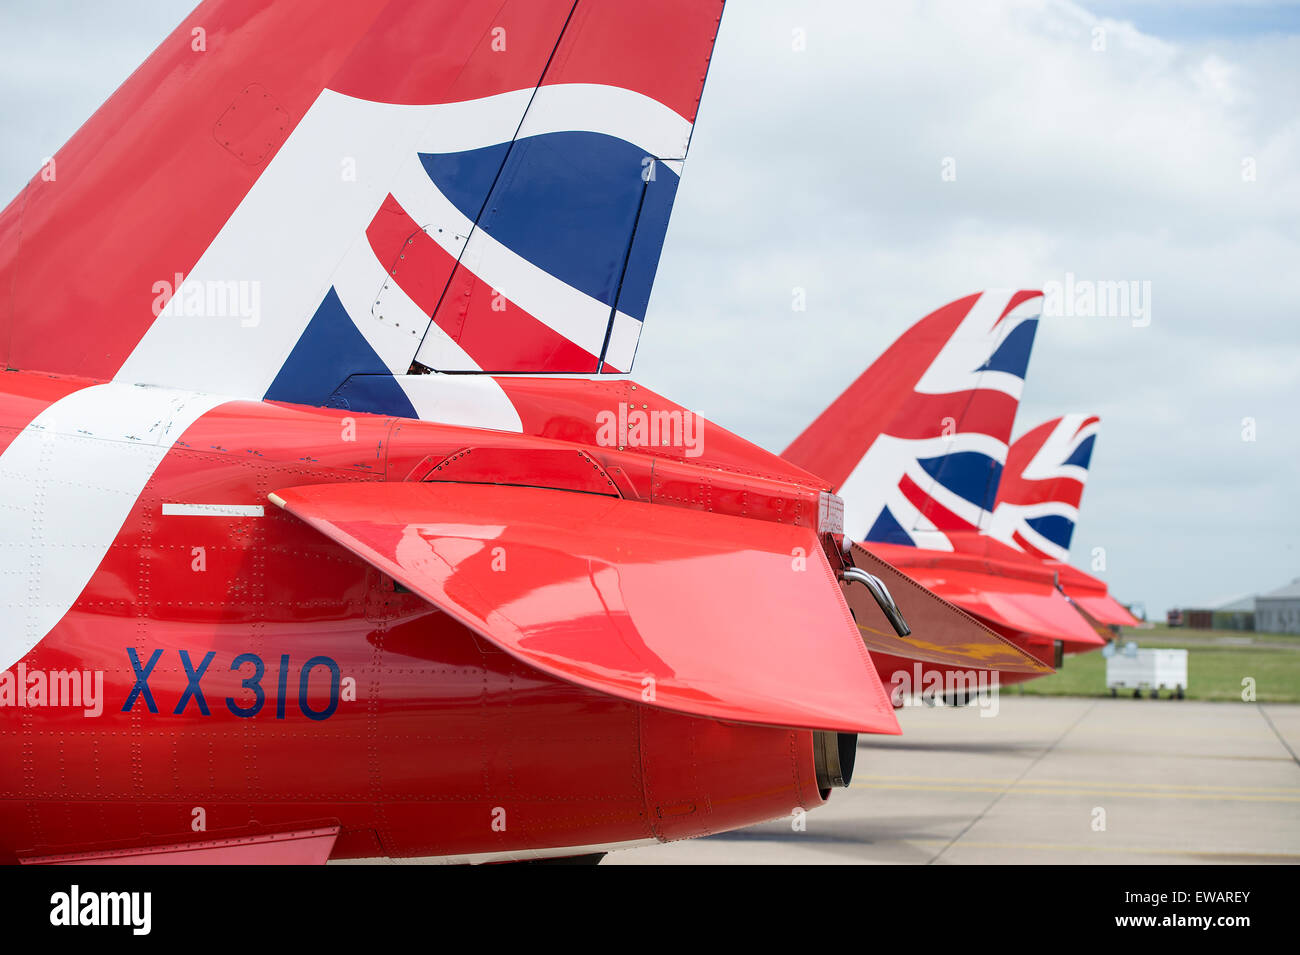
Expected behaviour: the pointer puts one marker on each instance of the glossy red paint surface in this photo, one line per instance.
(1092, 595)
(436, 731)
(686, 610)
(1102, 607)
(569, 409)
(1016, 597)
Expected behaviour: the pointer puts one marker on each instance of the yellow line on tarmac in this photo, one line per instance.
(1081, 784)
(1140, 850)
(1029, 790)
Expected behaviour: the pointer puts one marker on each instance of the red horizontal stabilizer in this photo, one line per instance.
(1046, 615)
(707, 614)
(1104, 608)
(941, 632)
(1013, 595)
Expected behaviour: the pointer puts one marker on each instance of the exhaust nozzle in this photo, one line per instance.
(833, 756)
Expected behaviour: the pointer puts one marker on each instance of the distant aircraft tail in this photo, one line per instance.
(280, 199)
(917, 444)
(1038, 506)
(1038, 498)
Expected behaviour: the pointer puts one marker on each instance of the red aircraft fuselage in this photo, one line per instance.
(258, 675)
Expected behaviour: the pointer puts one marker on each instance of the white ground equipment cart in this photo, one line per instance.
(1128, 668)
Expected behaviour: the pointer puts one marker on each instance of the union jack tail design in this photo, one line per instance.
(917, 445)
(1038, 499)
(336, 203)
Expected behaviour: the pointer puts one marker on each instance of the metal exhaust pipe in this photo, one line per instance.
(834, 755)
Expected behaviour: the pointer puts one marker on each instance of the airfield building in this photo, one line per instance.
(1278, 611)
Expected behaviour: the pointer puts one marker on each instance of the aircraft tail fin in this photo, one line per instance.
(916, 445)
(278, 200)
(1042, 485)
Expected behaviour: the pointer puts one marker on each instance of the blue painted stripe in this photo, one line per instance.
(373, 394)
(330, 350)
(1012, 356)
(648, 243)
(1082, 455)
(1054, 527)
(568, 203)
(970, 475)
(887, 530)
(465, 178)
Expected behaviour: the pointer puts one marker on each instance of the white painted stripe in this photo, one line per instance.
(623, 339)
(1009, 518)
(973, 343)
(431, 210)
(471, 124)
(611, 110)
(873, 482)
(289, 235)
(392, 324)
(949, 500)
(917, 526)
(1049, 461)
(566, 107)
(471, 401)
(69, 480)
(213, 510)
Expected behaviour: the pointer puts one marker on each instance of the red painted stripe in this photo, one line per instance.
(418, 264)
(1018, 457)
(1086, 421)
(1022, 296)
(502, 337)
(422, 53)
(932, 510)
(982, 411)
(25, 396)
(450, 52)
(660, 48)
(495, 332)
(1017, 490)
(1029, 548)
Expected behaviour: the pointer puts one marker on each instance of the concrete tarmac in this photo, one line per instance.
(1048, 781)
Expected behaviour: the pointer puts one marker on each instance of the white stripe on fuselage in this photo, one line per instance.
(213, 510)
(68, 481)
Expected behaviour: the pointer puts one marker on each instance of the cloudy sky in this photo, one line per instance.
(1115, 141)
